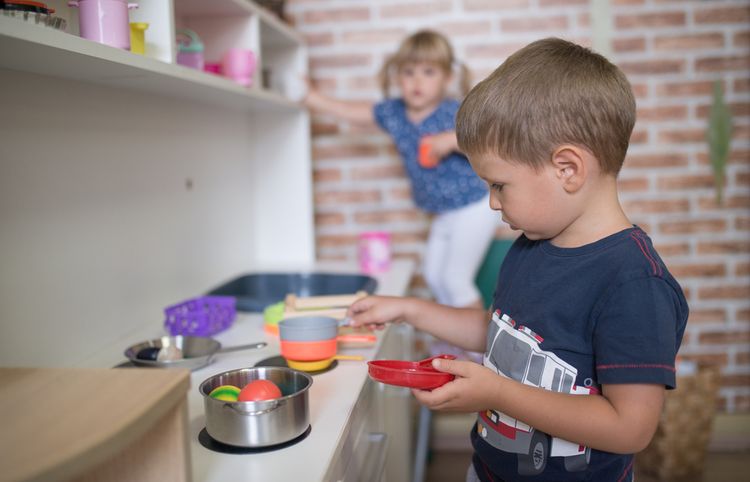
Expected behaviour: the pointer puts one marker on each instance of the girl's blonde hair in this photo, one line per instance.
(424, 46)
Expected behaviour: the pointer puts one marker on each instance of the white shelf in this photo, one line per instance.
(45, 51)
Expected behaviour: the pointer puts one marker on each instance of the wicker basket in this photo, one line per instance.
(678, 449)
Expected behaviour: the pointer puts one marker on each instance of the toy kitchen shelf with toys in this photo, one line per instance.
(221, 24)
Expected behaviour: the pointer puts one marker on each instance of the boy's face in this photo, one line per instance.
(422, 84)
(532, 201)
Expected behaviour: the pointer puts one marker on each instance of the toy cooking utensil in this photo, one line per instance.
(197, 351)
(317, 365)
(410, 374)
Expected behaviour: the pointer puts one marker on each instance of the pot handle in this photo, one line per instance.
(241, 347)
(252, 412)
(131, 6)
(73, 3)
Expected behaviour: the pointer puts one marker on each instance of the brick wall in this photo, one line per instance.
(672, 51)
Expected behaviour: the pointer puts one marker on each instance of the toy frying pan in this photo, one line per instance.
(195, 351)
(410, 374)
(317, 365)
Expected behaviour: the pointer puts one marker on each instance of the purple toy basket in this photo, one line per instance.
(202, 316)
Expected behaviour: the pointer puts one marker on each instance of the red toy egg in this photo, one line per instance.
(258, 390)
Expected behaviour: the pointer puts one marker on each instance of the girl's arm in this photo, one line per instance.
(360, 112)
(621, 420)
(463, 327)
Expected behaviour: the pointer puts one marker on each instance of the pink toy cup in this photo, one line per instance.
(239, 65)
(374, 252)
(105, 21)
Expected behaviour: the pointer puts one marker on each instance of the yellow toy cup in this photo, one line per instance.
(138, 37)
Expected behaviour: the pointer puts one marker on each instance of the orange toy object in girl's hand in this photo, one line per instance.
(426, 158)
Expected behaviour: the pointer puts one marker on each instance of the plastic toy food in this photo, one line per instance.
(227, 393)
(258, 390)
(426, 159)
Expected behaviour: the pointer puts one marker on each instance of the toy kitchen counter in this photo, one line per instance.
(359, 429)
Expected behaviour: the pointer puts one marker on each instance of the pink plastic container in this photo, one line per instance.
(374, 252)
(239, 65)
(189, 49)
(105, 21)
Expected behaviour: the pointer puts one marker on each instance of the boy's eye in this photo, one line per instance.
(496, 187)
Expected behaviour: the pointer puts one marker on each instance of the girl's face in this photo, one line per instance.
(422, 84)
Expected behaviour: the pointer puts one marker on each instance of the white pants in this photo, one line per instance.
(456, 247)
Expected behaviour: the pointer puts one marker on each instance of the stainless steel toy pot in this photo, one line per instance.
(262, 423)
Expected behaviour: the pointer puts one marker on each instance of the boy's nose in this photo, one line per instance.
(495, 204)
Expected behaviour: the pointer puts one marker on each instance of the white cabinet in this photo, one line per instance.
(129, 182)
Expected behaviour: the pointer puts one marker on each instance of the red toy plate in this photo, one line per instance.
(409, 374)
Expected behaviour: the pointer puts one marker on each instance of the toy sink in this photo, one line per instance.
(255, 291)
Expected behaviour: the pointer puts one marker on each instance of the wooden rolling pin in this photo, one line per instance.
(294, 303)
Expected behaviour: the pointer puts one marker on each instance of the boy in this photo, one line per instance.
(586, 319)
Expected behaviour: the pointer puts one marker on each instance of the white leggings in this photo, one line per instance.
(456, 247)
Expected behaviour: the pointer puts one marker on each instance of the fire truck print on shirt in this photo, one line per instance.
(513, 351)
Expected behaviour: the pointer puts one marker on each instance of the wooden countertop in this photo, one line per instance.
(57, 423)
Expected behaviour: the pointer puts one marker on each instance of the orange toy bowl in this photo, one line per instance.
(308, 350)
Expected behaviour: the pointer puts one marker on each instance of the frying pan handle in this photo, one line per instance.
(427, 362)
(357, 338)
(251, 413)
(241, 347)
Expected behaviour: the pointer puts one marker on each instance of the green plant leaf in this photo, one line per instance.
(718, 136)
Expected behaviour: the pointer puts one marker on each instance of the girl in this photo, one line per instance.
(422, 124)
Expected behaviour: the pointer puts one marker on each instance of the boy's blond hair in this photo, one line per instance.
(424, 46)
(549, 93)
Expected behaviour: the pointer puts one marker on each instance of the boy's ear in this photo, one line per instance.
(570, 167)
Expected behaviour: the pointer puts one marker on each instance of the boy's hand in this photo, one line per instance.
(468, 392)
(375, 311)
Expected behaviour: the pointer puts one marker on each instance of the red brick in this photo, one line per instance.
(559, 3)
(657, 206)
(707, 316)
(640, 90)
(321, 129)
(340, 61)
(685, 182)
(336, 240)
(347, 197)
(338, 15)
(667, 112)
(698, 270)
(720, 359)
(493, 5)
(741, 39)
(627, 2)
(634, 44)
(722, 15)
(742, 85)
(632, 184)
(390, 171)
(400, 193)
(727, 337)
(584, 20)
(736, 156)
(738, 109)
(366, 83)
(534, 24)
(318, 39)
(466, 28)
(689, 41)
(387, 36)
(684, 88)
(639, 136)
(742, 269)
(722, 64)
(738, 380)
(403, 9)
(329, 219)
(731, 202)
(497, 51)
(724, 247)
(726, 292)
(345, 151)
(693, 226)
(742, 179)
(743, 315)
(653, 67)
(409, 237)
(327, 175)
(387, 216)
(742, 223)
(682, 136)
(742, 358)
(655, 160)
(650, 20)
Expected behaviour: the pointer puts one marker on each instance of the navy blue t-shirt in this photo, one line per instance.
(571, 320)
(452, 183)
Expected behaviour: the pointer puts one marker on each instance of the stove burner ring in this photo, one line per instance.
(211, 444)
